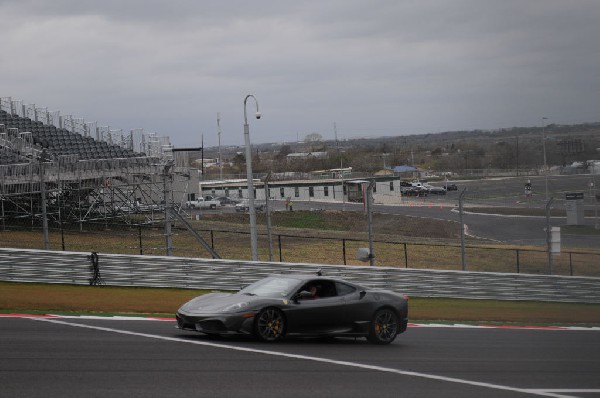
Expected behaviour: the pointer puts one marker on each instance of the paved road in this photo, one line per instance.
(504, 192)
(118, 358)
(493, 228)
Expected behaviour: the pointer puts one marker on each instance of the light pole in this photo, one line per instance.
(544, 149)
(251, 209)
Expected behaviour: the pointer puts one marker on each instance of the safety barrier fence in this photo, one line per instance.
(19, 265)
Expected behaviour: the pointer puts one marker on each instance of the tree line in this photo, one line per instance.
(505, 149)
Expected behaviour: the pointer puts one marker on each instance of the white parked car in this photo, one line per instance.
(202, 203)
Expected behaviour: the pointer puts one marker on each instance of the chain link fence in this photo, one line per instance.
(150, 239)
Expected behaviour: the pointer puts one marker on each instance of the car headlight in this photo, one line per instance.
(235, 307)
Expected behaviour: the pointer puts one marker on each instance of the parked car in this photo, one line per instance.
(436, 190)
(414, 191)
(244, 205)
(451, 187)
(299, 305)
(202, 203)
(225, 201)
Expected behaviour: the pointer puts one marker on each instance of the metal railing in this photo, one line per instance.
(177, 272)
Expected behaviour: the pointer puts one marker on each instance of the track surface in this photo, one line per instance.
(59, 357)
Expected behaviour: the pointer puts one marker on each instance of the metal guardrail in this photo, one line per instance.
(20, 265)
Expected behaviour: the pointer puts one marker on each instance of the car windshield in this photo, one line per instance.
(275, 287)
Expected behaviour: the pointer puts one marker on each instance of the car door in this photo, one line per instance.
(316, 316)
(357, 309)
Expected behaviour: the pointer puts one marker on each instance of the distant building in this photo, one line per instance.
(386, 191)
(306, 155)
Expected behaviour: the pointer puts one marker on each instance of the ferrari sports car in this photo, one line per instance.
(299, 305)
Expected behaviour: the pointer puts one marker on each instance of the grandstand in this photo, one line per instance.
(74, 171)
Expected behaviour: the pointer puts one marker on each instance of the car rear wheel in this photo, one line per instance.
(384, 327)
(269, 324)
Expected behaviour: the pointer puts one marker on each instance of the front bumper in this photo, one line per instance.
(216, 323)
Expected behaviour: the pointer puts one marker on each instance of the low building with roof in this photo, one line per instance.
(386, 191)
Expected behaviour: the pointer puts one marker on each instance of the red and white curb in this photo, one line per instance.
(106, 318)
(415, 325)
(522, 327)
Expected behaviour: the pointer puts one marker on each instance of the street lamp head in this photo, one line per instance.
(257, 109)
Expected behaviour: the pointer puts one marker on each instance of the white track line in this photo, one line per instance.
(539, 392)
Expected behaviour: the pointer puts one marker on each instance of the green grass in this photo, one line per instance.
(580, 230)
(305, 220)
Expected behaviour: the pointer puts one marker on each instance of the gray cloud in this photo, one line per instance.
(375, 68)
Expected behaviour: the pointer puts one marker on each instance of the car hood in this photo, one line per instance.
(216, 303)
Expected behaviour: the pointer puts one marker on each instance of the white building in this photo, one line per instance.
(386, 191)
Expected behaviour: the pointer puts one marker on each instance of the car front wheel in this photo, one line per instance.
(269, 324)
(384, 327)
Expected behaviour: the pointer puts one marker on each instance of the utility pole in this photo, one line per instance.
(202, 167)
(268, 211)
(370, 221)
(544, 149)
(517, 156)
(219, 134)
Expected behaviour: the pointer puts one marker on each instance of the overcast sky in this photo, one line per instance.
(372, 67)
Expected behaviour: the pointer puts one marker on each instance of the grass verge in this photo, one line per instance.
(106, 300)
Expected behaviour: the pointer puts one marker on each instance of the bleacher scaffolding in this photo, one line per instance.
(85, 172)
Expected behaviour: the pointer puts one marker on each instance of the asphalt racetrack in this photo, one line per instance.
(87, 357)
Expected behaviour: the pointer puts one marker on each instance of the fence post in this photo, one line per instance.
(518, 263)
(405, 256)
(62, 236)
(279, 242)
(212, 239)
(344, 250)
(571, 263)
(140, 238)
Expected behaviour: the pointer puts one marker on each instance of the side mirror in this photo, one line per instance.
(362, 294)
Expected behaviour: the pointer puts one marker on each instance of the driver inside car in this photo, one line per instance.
(314, 292)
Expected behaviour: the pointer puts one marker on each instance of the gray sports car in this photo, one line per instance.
(299, 305)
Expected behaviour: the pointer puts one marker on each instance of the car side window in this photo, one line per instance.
(328, 289)
(344, 289)
(322, 288)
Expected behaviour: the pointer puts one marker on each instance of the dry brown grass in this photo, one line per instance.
(29, 297)
(102, 299)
